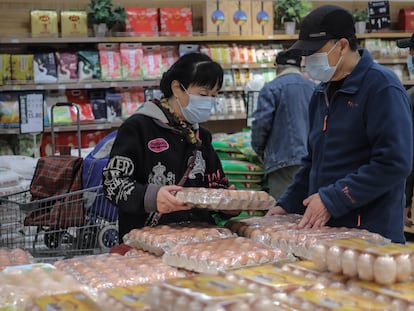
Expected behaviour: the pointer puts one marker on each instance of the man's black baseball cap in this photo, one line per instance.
(321, 25)
(406, 43)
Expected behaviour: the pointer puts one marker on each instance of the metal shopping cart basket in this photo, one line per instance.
(56, 233)
(56, 211)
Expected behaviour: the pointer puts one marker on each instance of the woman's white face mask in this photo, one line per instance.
(198, 109)
(317, 66)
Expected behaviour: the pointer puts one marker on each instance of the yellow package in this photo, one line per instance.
(74, 23)
(44, 23)
(71, 301)
(22, 67)
(5, 65)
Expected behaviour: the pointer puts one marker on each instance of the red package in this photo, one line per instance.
(169, 56)
(67, 64)
(176, 21)
(110, 58)
(81, 98)
(131, 57)
(142, 21)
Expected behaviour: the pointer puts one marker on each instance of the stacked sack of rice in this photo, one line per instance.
(240, 163)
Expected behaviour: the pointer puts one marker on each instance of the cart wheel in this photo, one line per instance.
(108, 236)
(52, 239)
(86, 238)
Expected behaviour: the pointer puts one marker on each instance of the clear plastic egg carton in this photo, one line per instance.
(399, 295)
(259, 228)
(226, 199)
(129, 298)
(333, 299)
(270, 279)
(365, 259)
(300, 241)
(205, 293)
(20, 285)
(14, 257)
(157, 239)
(112, 270)
(220, 255)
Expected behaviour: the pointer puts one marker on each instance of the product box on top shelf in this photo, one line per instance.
(44, 23)
(240, 13)
(262, 17)
(73, 23)
(176, 21)
(216, 19)
(142, 21)
(406, 19)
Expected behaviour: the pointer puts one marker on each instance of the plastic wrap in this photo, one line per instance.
(129, 298)
(14, 257)
(157, 239)
(20, 285)
(222, 255)
(112, 270)
(206, 293)
(226, 199)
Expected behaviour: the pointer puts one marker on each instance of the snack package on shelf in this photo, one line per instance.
(67, 66)
(110, 59)
(151, 63)
(367, 259)
(158, 239)
(22, 284)
(205, 293)
(89, 67)
(13, 256)
(109, 270)
(221, 255)
(226, 199)
(131, 58)
(260, 228)
(300, 241)
(44, 68)
(129, 298)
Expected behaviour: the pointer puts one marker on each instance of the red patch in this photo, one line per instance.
(158, 145)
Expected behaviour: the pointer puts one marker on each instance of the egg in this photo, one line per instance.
(349, 262)
(404, 268)
(385, 270)
(333, 259)
(365, 265)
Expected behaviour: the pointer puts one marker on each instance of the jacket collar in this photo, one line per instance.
(149, 109)
(290, 69)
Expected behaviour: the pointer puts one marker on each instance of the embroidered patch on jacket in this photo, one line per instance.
(158, 145)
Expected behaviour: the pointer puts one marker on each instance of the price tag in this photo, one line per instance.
(31, 113)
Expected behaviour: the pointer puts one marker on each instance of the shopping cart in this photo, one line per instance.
(56, 216)
(95, 235)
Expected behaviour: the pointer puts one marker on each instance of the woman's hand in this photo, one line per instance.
(167, 202)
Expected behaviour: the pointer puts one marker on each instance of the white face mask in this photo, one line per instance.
(317, 66)
(410, 65)
(198, 109)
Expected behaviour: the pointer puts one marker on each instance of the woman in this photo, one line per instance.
(161, 148)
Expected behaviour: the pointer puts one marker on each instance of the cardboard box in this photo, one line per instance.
(44, 23)
(240, 17)
(142, 21)
(216, 18)
(176, 21)
(262, 17)
(74, 23)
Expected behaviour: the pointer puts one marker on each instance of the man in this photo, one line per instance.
(409, 184)
(281, 122)
(360, 139)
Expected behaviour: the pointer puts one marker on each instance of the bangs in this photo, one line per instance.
(208, 74)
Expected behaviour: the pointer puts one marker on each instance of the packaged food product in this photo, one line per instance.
(129, 298)
(131, 58)
(158, 239)
(89, 67)
(22, 67)
(45, 68)
(67, 64)
(142, 21)
(13, 256)
(221, 255)
(110, 59)
(204, 293)
(44, 23)
(73, 23)
(176, 21)
(70, 301)
(226, 199)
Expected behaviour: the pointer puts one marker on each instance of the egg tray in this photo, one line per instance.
(226, 199)
(214, 257)
(157, 239)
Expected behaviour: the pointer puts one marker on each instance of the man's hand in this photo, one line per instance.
(316, 215)
(167, 202)
(276, 210)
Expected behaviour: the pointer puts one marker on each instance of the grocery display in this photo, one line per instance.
(250, 264)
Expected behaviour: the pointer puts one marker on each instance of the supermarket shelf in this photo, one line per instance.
(77, 85)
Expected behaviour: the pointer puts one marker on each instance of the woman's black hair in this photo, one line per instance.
(192, 69)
